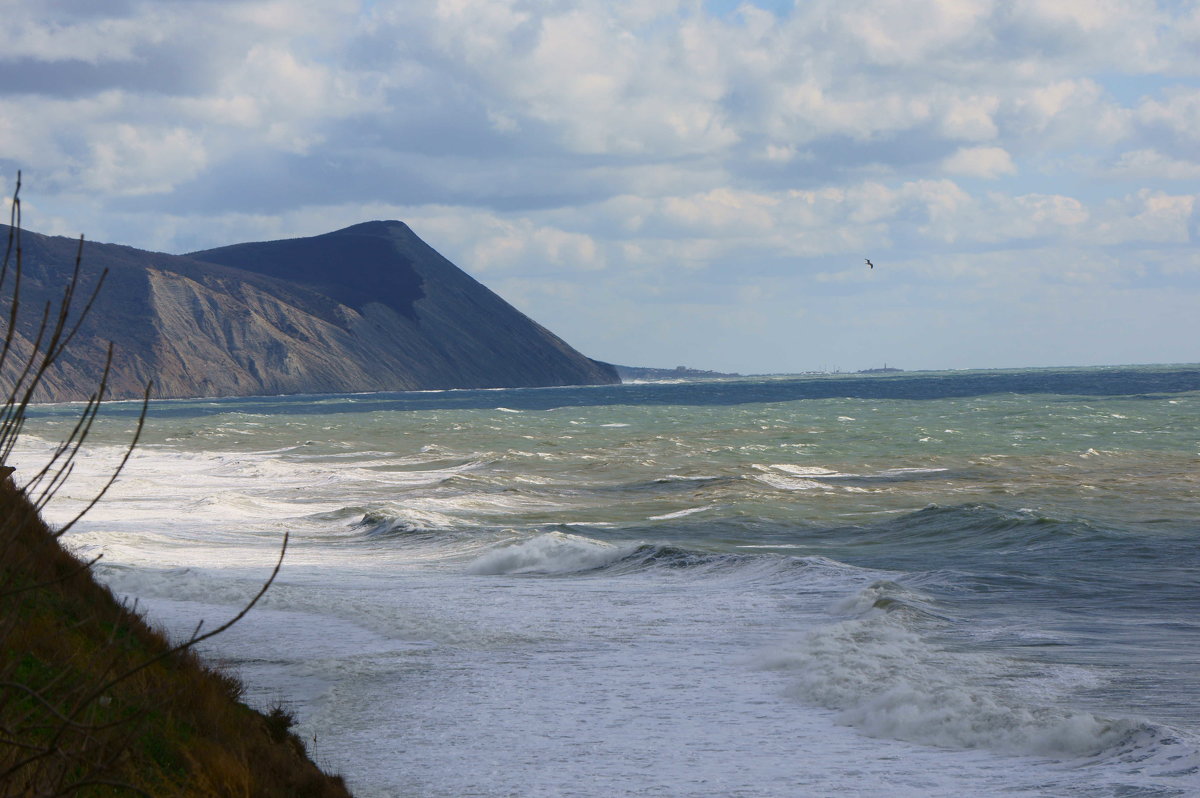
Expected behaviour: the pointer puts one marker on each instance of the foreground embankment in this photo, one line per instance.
(93, 703)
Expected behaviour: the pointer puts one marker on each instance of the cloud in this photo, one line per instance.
(1147, 216)
(986, 162)
(1150, 164)
(1177, 114)
(643, 161)
(896, 32)
(129, 160)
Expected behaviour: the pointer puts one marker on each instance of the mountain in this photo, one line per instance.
(367, 308)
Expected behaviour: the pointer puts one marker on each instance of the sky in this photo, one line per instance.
(661, 182)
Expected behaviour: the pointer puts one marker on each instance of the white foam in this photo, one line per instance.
(806, 471)
(551, 553)
(681, 513)
(874, 596)
(789, 483)
(887, 681)
(393, 517)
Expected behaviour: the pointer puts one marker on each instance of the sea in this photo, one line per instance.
(969, 583)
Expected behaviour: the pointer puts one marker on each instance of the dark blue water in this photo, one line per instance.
(1144, 381)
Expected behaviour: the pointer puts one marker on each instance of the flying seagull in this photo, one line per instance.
(872, 265)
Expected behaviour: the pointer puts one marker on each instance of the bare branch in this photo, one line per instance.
(120, 466)
(194, 640)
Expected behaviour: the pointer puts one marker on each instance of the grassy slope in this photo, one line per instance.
(175, 728)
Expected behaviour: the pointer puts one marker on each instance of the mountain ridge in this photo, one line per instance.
(370, 307)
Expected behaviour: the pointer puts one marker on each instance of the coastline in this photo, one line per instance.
(91, 695)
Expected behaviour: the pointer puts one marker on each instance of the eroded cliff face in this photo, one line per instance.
(233, 339)
(369, 308)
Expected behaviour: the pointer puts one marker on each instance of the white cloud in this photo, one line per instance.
(971, 118)
(126, 160)
(909, 32)
(1134, 35)
(618, 151)
(1069, 114)
(722, 212)
(986, 162)
(1150, 164)
(585, 73)
(1147, 216)
(489, 243)
(1178, 112)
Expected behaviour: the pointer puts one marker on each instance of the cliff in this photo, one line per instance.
(367, 308)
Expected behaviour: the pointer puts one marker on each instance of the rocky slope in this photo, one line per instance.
(368, 308)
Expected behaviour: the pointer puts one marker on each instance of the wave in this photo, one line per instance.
(889, 596)
(551, 553)
(879, 667)
(886, 680)
(680, 513)
(960, 536)
(384, 523)
(782, 482)
(669, 484)
(567, 554)
(882, 672)
(791, 477)
(979, 526)
(905, 474)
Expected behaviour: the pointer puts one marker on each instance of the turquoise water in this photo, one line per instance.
(916, 584)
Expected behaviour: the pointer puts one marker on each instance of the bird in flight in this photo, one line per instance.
(872, 265)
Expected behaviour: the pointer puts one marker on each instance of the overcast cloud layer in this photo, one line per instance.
(662, 182)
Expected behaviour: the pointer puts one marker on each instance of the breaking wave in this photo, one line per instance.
(883, 674)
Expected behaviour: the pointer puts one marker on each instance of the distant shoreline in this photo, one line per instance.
(121, 407)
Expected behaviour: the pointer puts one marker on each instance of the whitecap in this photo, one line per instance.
(807, 471)
(789, 483)
(551, 553)
(681, 513)
(886, 680)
